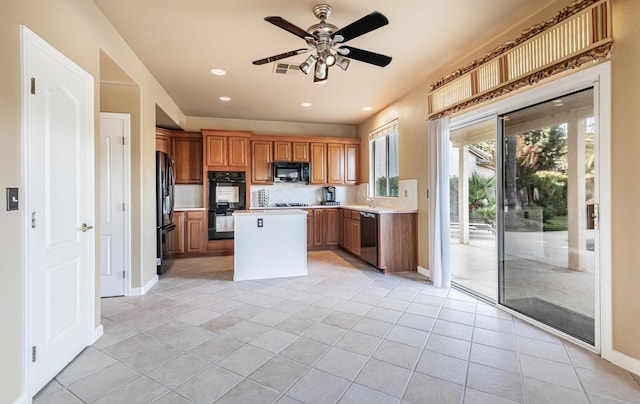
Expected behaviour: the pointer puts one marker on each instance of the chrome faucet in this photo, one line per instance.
(372, 202)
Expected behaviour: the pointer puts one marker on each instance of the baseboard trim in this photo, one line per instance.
(97, 333)
(624, 361)
(424, 271)
(143, 290)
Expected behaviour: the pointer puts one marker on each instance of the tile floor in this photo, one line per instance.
(344, 333)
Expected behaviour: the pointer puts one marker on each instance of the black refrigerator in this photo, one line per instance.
(165, 182)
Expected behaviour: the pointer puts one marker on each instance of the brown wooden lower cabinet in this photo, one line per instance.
(309, 228)
(318, 228)
(189, 234)
(347, 242)
(322, 227)
(331, 229)
(178, 232)
(195, 233)
(398, 242)
(351, 231)
(355, 236)
(397, 239)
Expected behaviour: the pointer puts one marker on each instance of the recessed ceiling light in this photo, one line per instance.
(218, 72)
(306, 104)
(224, 98)
(367, 108)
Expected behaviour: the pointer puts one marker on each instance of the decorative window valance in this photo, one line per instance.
(577, 34)
(384, 130)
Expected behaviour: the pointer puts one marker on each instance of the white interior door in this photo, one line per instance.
(58, 119)
(114, 138)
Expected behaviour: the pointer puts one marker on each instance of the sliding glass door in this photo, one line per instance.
(547, 221)
(472, 207)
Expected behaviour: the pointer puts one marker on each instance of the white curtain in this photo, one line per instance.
(439, 202)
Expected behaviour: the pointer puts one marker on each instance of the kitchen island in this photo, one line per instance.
(270, 244)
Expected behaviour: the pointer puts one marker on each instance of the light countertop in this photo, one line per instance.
(185, 209)
(363, 208)
(272, 212)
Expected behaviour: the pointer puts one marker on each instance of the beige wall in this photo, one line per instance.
(411, 111)
(80, 31)
(270, 127)
(625, 168)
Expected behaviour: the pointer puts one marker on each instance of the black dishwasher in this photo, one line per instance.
(369, 237)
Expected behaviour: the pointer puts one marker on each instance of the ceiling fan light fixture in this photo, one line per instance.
(306, 66)
(328, 57)
(327, 41)
(321, 72)
(324, 53)
(341, 62)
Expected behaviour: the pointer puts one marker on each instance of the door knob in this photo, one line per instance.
(85, 227)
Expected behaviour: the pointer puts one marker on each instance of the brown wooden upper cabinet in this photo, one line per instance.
(282, 151)
(261, 172)
(351, 163)
(226, 150)
(318, 152)
(332, 160)
(163, 140)
(335, 163)
(187, 157)
(291, 151)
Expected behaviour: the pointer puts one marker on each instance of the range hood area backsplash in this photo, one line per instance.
(301, 193)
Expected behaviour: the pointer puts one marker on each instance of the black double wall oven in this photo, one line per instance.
(227, 193)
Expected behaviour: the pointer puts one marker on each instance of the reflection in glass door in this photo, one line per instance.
(548, 244)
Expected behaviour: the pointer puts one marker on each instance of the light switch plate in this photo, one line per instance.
(12, 199)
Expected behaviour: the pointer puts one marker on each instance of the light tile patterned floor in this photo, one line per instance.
(344, 333)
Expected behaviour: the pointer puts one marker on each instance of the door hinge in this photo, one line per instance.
(596, 216)
(124, 207)
(33, 85)
(33, 353)
(123, 140)
(33, 220)
(124, 275)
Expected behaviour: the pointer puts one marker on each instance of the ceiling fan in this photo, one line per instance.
(327, 40)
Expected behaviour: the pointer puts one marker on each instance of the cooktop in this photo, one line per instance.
(290, 204)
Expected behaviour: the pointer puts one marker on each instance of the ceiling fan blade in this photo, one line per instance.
(366, 56)
(287, 26)
(280, 56)
(366, 24)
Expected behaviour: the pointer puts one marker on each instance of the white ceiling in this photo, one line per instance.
(181, 41)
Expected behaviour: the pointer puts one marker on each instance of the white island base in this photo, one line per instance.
(270, 244)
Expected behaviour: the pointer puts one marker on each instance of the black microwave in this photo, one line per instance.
(290, 172)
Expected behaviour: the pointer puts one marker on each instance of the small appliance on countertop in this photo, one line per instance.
(329, 197)
(263, 198)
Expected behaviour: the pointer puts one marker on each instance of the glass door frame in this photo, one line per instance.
(462, 124)
(599, 77)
